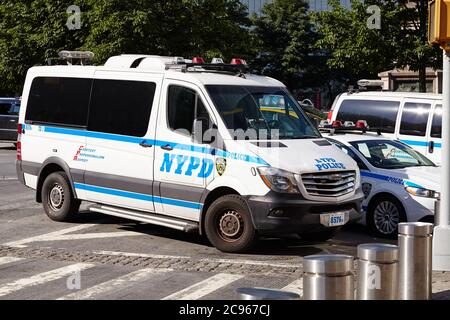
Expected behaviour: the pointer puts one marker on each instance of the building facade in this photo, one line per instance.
(255, 6)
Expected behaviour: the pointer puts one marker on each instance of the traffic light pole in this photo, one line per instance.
(441, 238)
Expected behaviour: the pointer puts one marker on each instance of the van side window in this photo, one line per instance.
(121, 107)
(60, 101)
(436, 128)
(184, 105)
(380, 115)
(4, 108)
(415, 119)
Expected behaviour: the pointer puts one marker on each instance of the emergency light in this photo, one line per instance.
(198, 60)
(336, 126)
(217, 61)
(238, 61)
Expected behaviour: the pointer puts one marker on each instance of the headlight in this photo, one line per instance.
(419, 192)
(278, 180)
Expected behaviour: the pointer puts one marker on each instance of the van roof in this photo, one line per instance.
(388, 94)
(158, 65)
(352, 137)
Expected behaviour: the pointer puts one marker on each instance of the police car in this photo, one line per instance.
(185, 144)
(399, 183)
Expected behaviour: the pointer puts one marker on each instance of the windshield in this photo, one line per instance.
(270, 112)
(387, 154)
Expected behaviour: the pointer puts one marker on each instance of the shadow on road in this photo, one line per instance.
(345, 242)
(8, 147)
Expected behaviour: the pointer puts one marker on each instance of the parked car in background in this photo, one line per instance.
(399, 183)
(9, 116)
(413, 118)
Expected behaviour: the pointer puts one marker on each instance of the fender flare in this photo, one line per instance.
(59, 162)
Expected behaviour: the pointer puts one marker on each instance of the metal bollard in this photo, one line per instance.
(377, 272)
(437, 208)
(265, 294)
(415, 267)
(328, 277)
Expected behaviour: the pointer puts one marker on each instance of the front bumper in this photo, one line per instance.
(299, 214)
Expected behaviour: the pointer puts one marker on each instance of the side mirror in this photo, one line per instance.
(200, 132)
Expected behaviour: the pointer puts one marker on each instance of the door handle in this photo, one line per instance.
(145, 144)
(167, 147)
(12, 120)
(431, 147)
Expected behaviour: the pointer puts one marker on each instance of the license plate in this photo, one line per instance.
(337, 219)
(334, 219)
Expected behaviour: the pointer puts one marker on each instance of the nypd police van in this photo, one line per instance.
(194, 146)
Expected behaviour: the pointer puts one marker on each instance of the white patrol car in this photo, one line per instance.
(183, 144)
(399, 183)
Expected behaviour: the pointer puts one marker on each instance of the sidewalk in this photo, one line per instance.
(441, 285)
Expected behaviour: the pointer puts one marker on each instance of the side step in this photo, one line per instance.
(152, 218)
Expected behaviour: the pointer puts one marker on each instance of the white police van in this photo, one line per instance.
(399, 183)
(413, 118)
(169, 141)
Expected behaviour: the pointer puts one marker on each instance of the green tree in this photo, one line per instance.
(360, 51)
(285, 39)
(182, 28)
(30, 33)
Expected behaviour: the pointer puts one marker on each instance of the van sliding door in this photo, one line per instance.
(120, 148)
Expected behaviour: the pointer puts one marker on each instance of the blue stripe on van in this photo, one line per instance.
(420, 143)
(157, 143)
(390, 179)
(138, 196)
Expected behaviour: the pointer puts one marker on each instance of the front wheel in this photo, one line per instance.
(58, 199)
(229, 226)
(384, 216)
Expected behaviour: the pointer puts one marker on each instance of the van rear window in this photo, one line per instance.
(380, 115)
(61, 101)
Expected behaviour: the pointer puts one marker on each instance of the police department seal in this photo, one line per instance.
(221, 165)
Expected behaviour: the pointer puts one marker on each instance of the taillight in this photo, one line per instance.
(330, 115)
(19, 144)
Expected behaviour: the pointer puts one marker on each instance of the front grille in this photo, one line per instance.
(329, 184)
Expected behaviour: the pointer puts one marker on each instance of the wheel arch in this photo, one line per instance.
(51, 165)
(382, 194)
(208, 198)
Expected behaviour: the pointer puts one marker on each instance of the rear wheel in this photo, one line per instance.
(384, 216)
(229, 226)
(58, 199)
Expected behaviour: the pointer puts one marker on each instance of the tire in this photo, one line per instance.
(320, 236)
(383, 216)
(229, 226)
(58, 199)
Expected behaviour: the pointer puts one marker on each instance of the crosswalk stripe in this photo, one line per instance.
(295, 286)
(204, 287)
(114, 284)
(6, 260)
(42, 278)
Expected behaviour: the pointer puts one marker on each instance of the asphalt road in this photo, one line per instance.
(102, 257)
